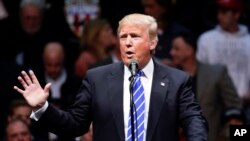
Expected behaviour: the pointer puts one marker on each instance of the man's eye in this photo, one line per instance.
(123, 37)
(134, 35)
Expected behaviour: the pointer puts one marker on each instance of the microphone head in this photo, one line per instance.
(133, 67)
(133, 61)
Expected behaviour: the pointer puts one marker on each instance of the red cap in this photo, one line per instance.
(231, 4)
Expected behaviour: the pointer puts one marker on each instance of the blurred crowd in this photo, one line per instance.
(60, 40)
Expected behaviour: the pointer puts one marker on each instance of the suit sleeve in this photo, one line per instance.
(191, 119)
(229, 96)
(76, 120)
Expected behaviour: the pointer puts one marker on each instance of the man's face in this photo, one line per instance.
(227, 18)
(23, 113)
(152, 8)
(53, 58)
(53, 65)
(18, 131)
(135, 44)
(31, 19)
(180, 51)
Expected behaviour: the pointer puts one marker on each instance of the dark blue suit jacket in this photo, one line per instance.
(100, 100)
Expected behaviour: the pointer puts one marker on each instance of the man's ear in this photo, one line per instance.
(153, 44)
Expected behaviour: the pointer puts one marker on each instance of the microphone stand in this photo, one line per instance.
(131, 79)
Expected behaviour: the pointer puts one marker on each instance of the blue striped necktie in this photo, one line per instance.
(139, 110)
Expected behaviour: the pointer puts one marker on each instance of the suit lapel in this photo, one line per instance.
(115, 80)
(158, 95)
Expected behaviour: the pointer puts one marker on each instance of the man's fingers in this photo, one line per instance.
(26, 78)
(24, 84)
(18, 90)
(33, 77)
(47, 87)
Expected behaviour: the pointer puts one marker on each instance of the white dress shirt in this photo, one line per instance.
(56, 84)
(147, 85)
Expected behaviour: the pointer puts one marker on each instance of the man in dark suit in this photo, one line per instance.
(212, 85)
(104, 97)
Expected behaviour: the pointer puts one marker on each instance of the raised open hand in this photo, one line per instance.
(34, 94)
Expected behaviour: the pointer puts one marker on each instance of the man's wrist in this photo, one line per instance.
(37, 113)
(34, 109)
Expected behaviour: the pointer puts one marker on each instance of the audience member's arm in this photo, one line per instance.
(231, 100)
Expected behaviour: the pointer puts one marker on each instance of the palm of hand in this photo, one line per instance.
(35, 95)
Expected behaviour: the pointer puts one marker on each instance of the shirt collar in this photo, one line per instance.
(147, 70)
(61, 78)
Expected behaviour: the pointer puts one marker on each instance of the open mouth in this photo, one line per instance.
(129, 54)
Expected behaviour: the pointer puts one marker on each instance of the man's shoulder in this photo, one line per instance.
(210, 34)
(172, 73)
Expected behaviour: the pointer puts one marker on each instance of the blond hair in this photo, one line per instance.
(141, 19)
(90, 35)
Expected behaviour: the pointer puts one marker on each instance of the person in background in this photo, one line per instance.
(104, 97)
(161, 10)
(98, 41)
(20, 109)
(213, 88)
(114, 56)
(31, 15)
(18, 130)
(31, 35)
(228, 44)
(64, 84)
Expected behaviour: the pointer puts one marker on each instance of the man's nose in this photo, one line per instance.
(128, 41)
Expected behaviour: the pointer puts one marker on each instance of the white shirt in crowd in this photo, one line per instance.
(56, 84)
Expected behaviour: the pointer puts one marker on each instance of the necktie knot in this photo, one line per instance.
(140, 73)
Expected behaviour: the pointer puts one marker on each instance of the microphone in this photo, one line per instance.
(133, 67)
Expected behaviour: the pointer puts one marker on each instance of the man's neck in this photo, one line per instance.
(63, 72)
(232, 29)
